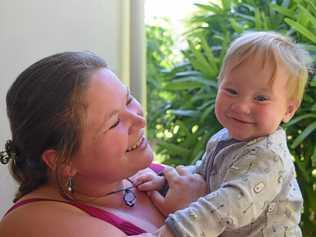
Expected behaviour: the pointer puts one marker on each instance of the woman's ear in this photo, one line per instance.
(291, 109)
(50, 158)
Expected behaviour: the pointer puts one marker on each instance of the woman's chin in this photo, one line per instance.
(143, 159)
(149, 156)
(147, 152)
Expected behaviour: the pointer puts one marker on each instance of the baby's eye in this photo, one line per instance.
(261, 98)
(115, 124)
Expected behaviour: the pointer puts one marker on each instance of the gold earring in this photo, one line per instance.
(70, 184)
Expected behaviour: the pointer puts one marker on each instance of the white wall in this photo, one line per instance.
(32, 29)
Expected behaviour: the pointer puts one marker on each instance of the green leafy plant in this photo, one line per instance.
(187, 119)
(159, 59)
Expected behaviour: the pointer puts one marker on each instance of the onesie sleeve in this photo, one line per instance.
(252, 181)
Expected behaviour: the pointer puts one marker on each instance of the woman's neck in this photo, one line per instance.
(96, 190)
(91, 194)
(113, 195)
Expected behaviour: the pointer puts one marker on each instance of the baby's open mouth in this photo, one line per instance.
(135, 146)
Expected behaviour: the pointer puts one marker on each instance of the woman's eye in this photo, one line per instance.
(261, 98)
(115, 124)
(130, 99)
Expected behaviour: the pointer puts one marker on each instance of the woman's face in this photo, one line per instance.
(113, 145)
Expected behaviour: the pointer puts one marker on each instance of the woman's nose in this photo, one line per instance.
(135, 116)
(137, 122)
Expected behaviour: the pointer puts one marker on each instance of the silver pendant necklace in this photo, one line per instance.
(129, 197)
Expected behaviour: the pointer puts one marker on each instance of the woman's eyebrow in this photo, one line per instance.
(105, 119)
(116, 111)
(108, 116)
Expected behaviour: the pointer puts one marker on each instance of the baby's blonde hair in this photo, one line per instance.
(277, 51)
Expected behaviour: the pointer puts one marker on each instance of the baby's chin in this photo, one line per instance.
(246, 137)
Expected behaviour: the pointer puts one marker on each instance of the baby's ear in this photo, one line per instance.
(291, 109)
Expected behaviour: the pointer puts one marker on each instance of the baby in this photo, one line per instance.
(252, 189)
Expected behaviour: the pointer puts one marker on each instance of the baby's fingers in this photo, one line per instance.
(143, 179)
(149, 182)
(147, 186)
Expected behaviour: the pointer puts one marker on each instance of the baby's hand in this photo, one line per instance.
(184, 188)
(149, 181)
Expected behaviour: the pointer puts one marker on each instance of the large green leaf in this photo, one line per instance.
(209, 55)
(282, 10)
(236, 26)
(188, 83)
(312, 7)
(307, 131)
(308, 16)
(300, 118)
(209, 8)
(301, 29)
(207, 112)
(200, 62)
(302, 169)
(227, 4)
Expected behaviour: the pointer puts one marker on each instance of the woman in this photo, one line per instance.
(77, 143)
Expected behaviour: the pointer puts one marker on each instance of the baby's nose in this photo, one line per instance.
(241, 107)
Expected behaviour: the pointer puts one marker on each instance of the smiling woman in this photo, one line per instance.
(96, 19)
(111, 149)
(77, 141)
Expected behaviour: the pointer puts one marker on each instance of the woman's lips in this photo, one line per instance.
(138, 144)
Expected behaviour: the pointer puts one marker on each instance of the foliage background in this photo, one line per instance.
(181, 94)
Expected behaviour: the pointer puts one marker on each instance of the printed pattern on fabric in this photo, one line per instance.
(252, 191)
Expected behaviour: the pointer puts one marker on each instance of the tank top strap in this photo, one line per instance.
(157, 168)
(127, 227)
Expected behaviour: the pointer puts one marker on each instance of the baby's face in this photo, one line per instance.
(250, 103)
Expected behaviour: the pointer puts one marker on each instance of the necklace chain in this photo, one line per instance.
(129, 197)
(122, 189)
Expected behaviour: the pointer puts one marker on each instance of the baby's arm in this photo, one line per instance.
(177, 187)
(151, 181)
(184, 188)
(246, 188)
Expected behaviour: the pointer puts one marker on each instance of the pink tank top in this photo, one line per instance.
(127, 227)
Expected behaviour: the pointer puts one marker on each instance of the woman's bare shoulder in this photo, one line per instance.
(54, 219)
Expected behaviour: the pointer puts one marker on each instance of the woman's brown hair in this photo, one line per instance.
(45, 110)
